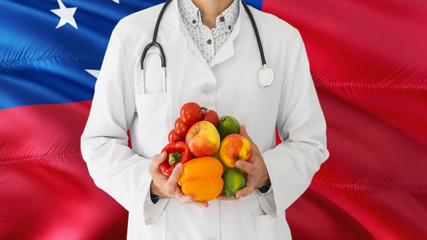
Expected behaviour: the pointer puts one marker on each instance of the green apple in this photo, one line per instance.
(228, 125)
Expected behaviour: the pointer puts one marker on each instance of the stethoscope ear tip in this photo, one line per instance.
(265, 76)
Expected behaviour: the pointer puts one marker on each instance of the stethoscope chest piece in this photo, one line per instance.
(265, 76)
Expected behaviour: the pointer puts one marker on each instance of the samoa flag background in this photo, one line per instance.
(369, 65)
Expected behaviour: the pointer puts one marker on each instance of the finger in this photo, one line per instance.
(255, 150)
(169, 186)
(193, 201)
(203, 204)
(183, 198)
(248, 190)
(173, 179)
(245, 134)
(157, 160)
(225, 198)
(154, 168)
(248, 167)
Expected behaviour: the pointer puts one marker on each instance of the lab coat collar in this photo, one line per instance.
(192, 14)
(226, 51)
(190, 11)
(188, 41)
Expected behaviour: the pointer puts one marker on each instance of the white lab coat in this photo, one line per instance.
(229, 86)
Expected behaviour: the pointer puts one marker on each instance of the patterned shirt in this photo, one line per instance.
(208, 41)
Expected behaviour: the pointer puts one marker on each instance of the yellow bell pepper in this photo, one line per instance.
(201, 177)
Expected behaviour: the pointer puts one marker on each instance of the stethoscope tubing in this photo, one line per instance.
(154, 43)
(258, 39)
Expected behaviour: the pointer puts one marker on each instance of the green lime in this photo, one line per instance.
(233, 182)
(228, 125)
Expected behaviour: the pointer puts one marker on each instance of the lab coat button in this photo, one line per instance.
(208, 91)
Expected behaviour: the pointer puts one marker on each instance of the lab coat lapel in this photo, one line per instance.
(189, 43)
(227, 50)
(191, 46)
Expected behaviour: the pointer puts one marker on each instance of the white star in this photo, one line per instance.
(116, 1)
(93, 72)
(66, 15)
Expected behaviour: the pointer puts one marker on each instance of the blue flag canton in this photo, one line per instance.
(47, 46)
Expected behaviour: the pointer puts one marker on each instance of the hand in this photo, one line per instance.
(163, 186)
(257, 174)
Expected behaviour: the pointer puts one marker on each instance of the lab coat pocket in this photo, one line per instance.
(272, 227)
(154, 121)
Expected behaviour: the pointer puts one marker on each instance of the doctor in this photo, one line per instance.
(212, 57)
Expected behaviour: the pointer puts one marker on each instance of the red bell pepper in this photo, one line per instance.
(176, 152)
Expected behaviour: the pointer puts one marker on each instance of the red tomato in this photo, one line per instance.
(190, 113)
(173, 136)
(181, 128)
(210, 115)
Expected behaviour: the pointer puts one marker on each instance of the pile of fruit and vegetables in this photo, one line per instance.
(208, 147)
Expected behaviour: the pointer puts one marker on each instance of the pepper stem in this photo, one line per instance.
(174, 158)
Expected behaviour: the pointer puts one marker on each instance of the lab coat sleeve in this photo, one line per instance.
(301, 125)
(114, 167)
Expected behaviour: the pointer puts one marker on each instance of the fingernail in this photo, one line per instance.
(237, 164)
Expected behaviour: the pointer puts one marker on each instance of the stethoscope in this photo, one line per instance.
(265, 74)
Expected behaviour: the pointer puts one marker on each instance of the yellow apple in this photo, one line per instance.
(203, 139)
